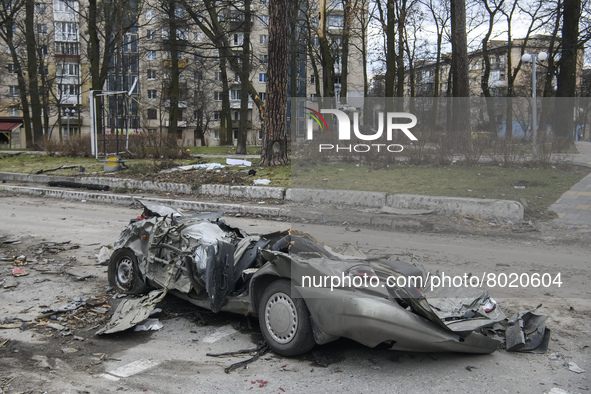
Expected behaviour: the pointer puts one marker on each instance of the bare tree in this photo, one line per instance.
(567, 76)
(9, 34)
(244, 79)
(274, 148)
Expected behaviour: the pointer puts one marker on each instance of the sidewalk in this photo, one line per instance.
(574, 206)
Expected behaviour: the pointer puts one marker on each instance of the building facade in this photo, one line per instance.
(141, 65)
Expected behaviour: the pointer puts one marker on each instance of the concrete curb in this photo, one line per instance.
(128, 199)
(477, 207)
(488, 209)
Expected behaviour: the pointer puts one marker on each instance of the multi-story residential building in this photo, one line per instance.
(141, 65)
(424, 72)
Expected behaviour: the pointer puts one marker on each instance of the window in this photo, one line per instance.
(40, 8)
(238, 38)
(217, 115)
(152, 113)
(198, 75)
(151, 55)
(179, 12)
(263, 59)
(313, 79)
(336, 21)
(182, 34)
(43, 49)
(218, 76)
(65, 6)
(216, 134)
(14, 111)
(264, 20)
(263, 77)
(263, 95)
(151, 74)
(152, 94)
(260, 133)
(130, 43)
(263, 39)
(67, 69)
(10, 68)
(236, 115)
(314, 97)
(152, 130)
(235, 133)
(13, 90)
(217, 96)
(65, 48)
(236, 77)
(66, 31)
(41, 28)
(150, 34)
(150, 13)
(235, 94)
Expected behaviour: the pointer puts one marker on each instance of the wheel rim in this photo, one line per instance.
(281, 318)
(125, 273)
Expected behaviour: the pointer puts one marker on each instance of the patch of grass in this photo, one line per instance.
(27, 163)
(538, 187)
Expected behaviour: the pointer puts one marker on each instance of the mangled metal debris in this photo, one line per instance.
(279, 278)
(255, 354)
(526, 332)
(131, 312)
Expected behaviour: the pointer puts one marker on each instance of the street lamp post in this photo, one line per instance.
(69, 112)
(533, 58)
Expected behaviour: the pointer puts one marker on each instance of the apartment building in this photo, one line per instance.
(499, 53)
(141, 66)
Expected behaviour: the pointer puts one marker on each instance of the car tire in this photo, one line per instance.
(285, 320)
(124, 274)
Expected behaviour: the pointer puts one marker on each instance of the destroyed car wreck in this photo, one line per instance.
(275, 276)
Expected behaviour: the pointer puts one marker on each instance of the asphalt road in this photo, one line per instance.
(174, 359)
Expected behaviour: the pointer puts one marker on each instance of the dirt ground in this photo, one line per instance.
(47, 349)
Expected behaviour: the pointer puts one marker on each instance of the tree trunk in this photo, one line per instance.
(244, 76)
(274, 147)
(33, 69)
(173, 115)
(226, 131)
(390, 49)
(461, 87)
(567, 76)
(326, 57)
(401, 39)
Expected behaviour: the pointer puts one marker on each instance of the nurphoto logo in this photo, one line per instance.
(344, 123)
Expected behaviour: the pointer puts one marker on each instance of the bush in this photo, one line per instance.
(142, 146)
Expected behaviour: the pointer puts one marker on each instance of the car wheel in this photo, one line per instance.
(124, 274)
(285, 320)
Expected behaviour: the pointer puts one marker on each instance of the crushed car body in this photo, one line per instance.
(281, 278)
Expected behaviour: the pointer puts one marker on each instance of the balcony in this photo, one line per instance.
(181, 104)
(72, 99)
(179, 123)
